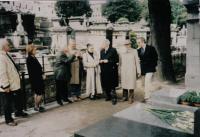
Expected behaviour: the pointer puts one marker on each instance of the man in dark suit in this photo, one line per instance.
(148, 60)
(109, 71)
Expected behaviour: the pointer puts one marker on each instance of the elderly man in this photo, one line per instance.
(130, 70)
(10, 84)
(63, 75)
(148, 61)
(76, 71)
(109, 71)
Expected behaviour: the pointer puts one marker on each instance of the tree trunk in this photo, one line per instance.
(160, 20)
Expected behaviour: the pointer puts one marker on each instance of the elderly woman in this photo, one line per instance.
(91, 65)
(130, 69)
(35, 76)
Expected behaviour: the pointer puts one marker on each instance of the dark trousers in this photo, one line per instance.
(110, 93)
(61, 90)
(75, 89)
(15, 97)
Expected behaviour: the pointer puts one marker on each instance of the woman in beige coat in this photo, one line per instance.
(130, 70)
(91, 65)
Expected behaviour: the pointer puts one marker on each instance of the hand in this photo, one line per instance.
(7, 90)
(43, 76)
(78, 54)
(139, 75)
(101, 61)
(105, 61)
(73, 52)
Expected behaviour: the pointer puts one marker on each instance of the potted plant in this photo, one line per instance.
(196, 101)
(184, 99)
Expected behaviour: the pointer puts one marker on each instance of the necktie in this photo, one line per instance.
(142, 51)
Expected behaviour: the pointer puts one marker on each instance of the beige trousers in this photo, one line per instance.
(147, 83)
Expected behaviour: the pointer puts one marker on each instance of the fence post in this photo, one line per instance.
(43, 68)
(24, 90)
(43, 64)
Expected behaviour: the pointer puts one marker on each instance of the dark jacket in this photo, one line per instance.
(35, 73)
(109, 71)
(148, 60)
(63, 67)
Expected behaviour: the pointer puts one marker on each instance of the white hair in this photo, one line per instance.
(106, 42)
(2, 43)
(72, 41)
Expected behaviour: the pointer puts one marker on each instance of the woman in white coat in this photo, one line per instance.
(91, 65)
(130, 70)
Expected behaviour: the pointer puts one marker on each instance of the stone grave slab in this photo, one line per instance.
(134, 121)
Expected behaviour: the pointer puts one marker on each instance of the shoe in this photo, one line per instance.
(124, 99)
(145, 100)
(107, 99)
(21, 114)
(79, 98)
(41, 109)
(13, 123)
(36, 109)
(69, 101)
(92, 97)
(60, 103)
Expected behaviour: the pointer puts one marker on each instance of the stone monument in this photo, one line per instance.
(20, 35)
(192, 77)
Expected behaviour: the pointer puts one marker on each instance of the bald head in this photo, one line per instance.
(4, 45)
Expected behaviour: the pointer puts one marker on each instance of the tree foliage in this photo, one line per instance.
(66, 9)
(178, 12)
(133, 38)
(116, 9)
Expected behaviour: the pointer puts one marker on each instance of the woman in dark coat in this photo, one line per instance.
(35, 76)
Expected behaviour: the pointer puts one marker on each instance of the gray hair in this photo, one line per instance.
(2, 43)
(106, 42)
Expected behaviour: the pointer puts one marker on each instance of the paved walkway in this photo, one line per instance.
(62, 121)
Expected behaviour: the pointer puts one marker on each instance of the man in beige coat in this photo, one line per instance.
(10, 84)
(130, 70)
(75, 82)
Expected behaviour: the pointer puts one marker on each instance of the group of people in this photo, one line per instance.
(102, 70)
(101, 74)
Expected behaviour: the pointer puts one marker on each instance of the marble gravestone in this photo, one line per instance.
(192, 77)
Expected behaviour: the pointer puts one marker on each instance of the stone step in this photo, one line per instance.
(167, 95)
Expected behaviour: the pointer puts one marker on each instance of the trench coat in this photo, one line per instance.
(130, 66)
(91, 65)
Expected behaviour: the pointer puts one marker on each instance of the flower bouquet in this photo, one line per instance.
(183, 120)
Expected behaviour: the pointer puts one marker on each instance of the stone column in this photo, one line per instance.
(192, 77)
